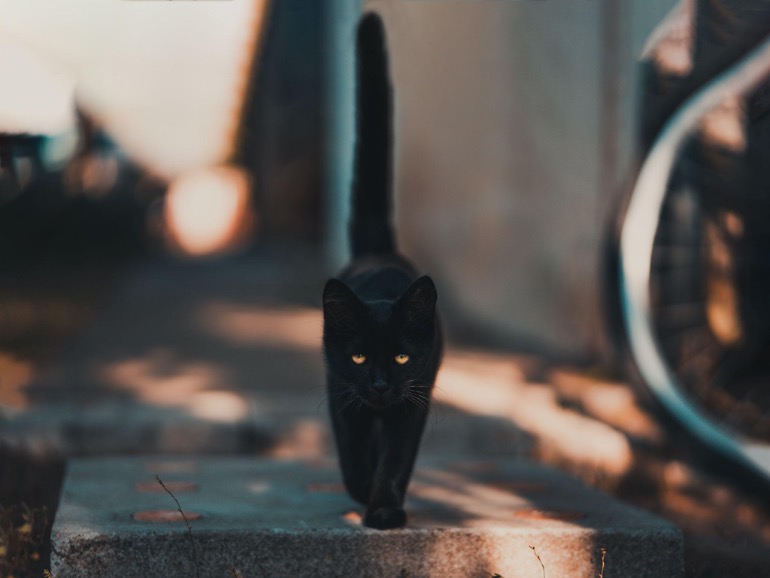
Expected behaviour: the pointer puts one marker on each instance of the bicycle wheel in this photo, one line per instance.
(695, 271)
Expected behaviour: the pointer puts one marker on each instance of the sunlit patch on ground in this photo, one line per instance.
(172, 467)
(306, 439)
(293, 328)
(220, 406)
(202, 389)
(613, 403)
(15, 375)
(478, 502)
(493, 385)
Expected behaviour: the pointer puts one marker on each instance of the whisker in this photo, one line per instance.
(419, 394)
(352, 397)
(346, 390)
(327, 399)
(414, 402)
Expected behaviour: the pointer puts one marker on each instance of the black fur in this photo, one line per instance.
(370, 228)
(378, 308)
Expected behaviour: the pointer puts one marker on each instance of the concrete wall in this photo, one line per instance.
(515, 125)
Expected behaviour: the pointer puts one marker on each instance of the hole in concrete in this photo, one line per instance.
(154, 486)
(335, 488)
(165, 516)
(172, 467)
(564, 515)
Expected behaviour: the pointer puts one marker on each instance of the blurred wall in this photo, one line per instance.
(165, 79)
(281, 131)
(515, 130)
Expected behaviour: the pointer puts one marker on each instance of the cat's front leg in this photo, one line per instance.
(400, 440)
(353, 438)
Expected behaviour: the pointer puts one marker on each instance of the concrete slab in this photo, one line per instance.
(256, 517)
(129, 428)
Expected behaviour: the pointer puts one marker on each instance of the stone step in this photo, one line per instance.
(260, 517)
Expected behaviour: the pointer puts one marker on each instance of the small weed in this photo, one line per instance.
(604, 553)
(538, 559)
(187, 523)
(22, 535)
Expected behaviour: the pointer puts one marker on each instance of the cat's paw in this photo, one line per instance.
(385, 518)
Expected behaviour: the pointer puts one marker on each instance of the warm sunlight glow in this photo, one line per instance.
(209, 211)
(722, 311)
(722, 301)
(160, 381)
(306, 439)
(15, 375)
(219, 406)
(724, 126)
(163, 381)
(494, 386)
(293, 328)
(610, 402)
(479, 502)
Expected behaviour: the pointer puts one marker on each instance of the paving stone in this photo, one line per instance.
(259, 517)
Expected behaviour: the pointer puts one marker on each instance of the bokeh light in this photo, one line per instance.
(209, 211)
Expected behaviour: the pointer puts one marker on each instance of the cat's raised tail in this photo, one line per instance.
(371, 231)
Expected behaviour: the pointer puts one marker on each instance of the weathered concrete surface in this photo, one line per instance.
(289, 518)
(213, 358)
(186, 358)
(208, 360)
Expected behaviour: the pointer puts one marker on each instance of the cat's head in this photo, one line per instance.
(384, 352)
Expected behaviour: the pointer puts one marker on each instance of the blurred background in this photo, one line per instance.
(174, 185)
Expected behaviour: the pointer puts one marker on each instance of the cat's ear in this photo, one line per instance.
(418, 303)
(342, 308)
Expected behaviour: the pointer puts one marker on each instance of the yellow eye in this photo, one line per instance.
(359, 359)
(402, 358)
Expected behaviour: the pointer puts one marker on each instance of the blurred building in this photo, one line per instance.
(515, 127)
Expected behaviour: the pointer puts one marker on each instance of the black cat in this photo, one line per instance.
(381, 338)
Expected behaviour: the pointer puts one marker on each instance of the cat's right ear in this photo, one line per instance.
(342, 308)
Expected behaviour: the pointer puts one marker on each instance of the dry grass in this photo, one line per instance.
(22, 539)
(187, 523)
(542, 566)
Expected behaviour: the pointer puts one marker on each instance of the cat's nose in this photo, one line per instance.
(380, 385)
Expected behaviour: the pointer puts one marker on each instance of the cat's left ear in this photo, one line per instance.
(418, 303)
(342, 309)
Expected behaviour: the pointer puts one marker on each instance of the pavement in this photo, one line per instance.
(263, 517)
(223, 359)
